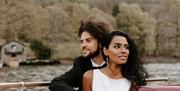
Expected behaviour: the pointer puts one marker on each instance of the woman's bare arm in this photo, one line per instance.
(87, 80)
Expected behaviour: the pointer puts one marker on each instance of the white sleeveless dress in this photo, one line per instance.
(101, 82)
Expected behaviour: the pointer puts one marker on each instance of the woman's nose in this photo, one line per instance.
(123, 50)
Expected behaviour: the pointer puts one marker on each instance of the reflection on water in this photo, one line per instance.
(48, 72)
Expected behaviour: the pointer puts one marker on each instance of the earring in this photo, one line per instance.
(107, 59)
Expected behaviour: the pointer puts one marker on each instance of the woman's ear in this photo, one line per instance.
(105, 50)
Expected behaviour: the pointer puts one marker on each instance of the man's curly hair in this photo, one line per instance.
(95, 28)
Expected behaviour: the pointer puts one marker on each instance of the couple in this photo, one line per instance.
(91, 72)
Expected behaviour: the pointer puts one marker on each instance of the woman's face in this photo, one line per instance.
(118, 50)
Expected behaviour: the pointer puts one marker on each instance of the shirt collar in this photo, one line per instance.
(96, 65)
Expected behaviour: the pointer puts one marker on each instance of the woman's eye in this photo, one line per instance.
(117, 46)
(127, 47)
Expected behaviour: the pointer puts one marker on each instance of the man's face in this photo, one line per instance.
(89, 45)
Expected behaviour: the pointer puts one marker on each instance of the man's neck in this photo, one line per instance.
(98, 59)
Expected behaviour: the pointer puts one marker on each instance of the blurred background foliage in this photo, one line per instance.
(153, 24)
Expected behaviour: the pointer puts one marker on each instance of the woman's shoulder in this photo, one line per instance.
(87, 78)
(88, 74)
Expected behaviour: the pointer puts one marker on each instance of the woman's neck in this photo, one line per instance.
(114, 71)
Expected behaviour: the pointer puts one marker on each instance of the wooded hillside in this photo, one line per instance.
(154, 24)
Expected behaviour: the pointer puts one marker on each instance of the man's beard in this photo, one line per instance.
(91, 55)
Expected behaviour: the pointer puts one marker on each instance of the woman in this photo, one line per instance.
(124, 72)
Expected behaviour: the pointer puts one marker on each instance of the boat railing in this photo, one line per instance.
(157, 79)
(22, 85)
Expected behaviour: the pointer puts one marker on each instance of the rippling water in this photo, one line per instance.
(48, 72)
(171, 71)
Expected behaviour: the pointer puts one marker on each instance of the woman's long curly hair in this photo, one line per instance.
(133, 69)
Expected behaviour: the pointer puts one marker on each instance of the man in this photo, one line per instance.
(91, 34)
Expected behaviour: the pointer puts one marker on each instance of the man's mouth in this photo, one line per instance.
(85, 51)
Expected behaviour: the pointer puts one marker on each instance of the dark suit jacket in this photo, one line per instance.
(72, 78)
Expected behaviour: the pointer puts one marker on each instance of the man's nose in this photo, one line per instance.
(84, 43)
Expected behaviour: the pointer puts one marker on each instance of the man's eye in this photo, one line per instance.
(81, 41)
(88, 40)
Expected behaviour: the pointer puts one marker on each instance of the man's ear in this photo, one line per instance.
(105, 50)
(100, 46)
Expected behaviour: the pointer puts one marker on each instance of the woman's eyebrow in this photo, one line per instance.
(120, 43)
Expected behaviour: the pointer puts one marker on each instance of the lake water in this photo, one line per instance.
(48, 72)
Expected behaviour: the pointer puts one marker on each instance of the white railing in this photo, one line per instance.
(22, 84)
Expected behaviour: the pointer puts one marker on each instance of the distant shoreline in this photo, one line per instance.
(160, 59)
(146, 60)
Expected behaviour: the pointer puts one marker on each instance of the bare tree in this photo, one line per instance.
(15, 17)
(139, 25)
(168, 21)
